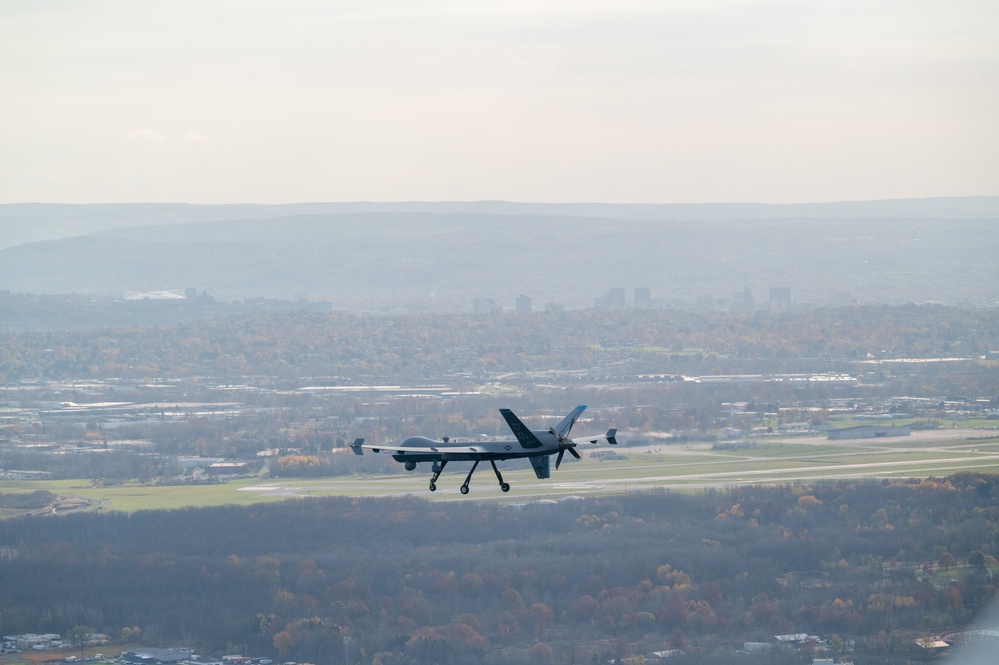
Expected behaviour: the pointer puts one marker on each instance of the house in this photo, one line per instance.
(795, 638)
(34, 641)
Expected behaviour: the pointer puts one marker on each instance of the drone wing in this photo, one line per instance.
(427, 446)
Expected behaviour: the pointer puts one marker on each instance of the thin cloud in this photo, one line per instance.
(151, 135)
(143, 135)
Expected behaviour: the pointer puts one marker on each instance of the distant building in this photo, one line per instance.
(931, 647)
(35, 641)
(643, 297)
(613, 299)
(742, 301)
(867, 432)
(523, 304)
(705, 302)
(795, 638)
(228, 468)
(153, 295)
(780, 297)
(485, 306)
(18, 474)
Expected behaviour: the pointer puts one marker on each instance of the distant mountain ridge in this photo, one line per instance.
(28, 222)
(443, 255)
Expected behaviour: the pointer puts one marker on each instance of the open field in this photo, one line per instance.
(132, 497)
(678, 467)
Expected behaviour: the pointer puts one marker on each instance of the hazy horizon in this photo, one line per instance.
(444, 256)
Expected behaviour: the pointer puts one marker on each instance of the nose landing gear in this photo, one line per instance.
(437, 468)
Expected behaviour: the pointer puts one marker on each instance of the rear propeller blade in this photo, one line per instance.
(561, 453)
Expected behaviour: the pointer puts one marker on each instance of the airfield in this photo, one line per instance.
(685, 468)
(677, 467)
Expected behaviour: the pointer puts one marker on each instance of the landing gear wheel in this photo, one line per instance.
(503, 486)
(438, 467)
(468, 478)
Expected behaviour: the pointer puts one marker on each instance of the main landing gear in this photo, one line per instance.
(438, 467)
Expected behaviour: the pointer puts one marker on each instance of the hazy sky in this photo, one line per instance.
(541, 100)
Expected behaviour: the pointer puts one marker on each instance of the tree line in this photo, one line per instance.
(290, 343)
(878, 563)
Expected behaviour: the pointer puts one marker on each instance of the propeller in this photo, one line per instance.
(564, 446)
(561, 452)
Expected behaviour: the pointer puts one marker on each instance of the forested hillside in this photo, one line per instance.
(878, 563)
(443, 256)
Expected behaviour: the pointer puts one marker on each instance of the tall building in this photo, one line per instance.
(643, 297)
(523, 304)
(780, 298)
(485, 306)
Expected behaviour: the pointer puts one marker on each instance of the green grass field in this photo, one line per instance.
(686, 468)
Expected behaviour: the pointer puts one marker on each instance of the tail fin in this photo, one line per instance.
(612, 437)
(356, 446)
(524, 435)
(563, 428)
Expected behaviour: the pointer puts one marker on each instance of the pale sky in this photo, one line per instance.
(623, 101)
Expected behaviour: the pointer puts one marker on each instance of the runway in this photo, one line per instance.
(686, 467)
